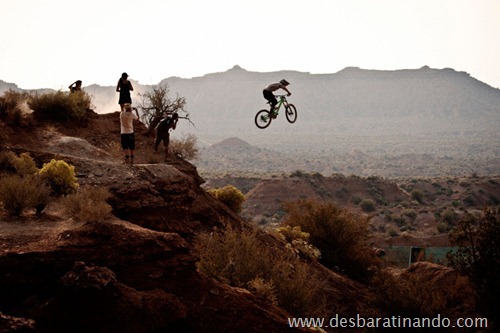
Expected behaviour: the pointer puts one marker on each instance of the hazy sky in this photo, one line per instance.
(51, 43)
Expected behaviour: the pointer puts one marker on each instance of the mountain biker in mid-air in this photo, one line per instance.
(268, 92)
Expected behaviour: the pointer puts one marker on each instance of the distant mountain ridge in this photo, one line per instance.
(352, 101)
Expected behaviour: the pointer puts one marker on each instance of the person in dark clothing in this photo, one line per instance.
(162, 131)
(124, 87)
(268, 92)
(75, 86)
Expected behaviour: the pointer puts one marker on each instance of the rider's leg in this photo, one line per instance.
(166, 143)
(157, 141)
(269, 96)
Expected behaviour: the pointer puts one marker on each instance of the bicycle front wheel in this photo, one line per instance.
(291, 113)
(263, 119)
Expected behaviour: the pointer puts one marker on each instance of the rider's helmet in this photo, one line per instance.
(284, 82)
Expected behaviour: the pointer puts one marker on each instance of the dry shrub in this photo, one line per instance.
(153, 157)
(7, 163)
(414, 295)
(21, 165)
(88, 204)
(298, 242)
(115, 149)
(240, 259)
(185, 147)
(25, 165)
(10, 109)
(20, 193)
(341, 236)
(263, 288)
(60, 106)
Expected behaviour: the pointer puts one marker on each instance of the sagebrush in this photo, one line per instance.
(341, 236)
(20, 193)
(88, 204)
(185, 147)
(60, 106)
(240, 259)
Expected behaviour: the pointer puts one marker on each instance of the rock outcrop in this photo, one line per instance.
(135, 272)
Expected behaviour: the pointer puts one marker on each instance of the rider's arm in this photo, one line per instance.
(284, 88)
(118, 85)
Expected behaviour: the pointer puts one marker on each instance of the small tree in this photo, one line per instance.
(155, 104)
(478, 257)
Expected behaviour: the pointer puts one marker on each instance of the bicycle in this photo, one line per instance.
(264, 117)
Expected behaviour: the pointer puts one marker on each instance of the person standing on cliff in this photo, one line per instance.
(162, 132)
(127, 136)
(124, 87)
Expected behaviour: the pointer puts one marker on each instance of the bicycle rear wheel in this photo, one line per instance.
(262, 119)
(291, 113)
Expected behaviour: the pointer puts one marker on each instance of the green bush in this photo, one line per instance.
(418, 196)
(19, 193)
(230, 196)
(341, 236)
(61, 176)
(449, 215)
(367, 205)
(60, 106)
(88, 204)
(356, 200)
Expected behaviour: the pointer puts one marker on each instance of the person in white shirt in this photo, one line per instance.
(127, 136)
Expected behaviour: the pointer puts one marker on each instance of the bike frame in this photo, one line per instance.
(281, 100)
(264, 117)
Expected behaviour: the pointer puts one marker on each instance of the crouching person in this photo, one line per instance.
(162, 132)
